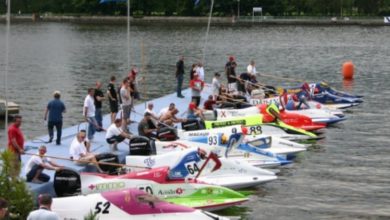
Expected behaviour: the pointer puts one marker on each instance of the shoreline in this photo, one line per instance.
(245, 21)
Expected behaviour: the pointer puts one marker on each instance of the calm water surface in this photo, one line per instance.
(345, 176)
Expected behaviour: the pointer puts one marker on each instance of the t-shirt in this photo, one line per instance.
(125, 96)
(43, 214)
(196, 83)
(89, 102)
(208, 105)
(112, 131)
(15, 132)
(112, 91)
(251, 69)
(77, 148)
(143, 125)
(56, 107)
(98, 93)
(35, 160)
(216, 86)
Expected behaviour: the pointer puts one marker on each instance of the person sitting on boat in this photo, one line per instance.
(144, 128)
(80, 151)
(209, 103)
(304, 96)
(37, 163)
(154, 116)
(115, 134)
(194, 112)
(169, 118)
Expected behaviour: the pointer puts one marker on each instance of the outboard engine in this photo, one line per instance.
(67, 183)
(108, 158)
(142, 146)
(191, 125)
(167, 134)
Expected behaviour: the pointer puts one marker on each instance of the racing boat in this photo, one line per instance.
(160, 182)
(187, 164)
(125, 204)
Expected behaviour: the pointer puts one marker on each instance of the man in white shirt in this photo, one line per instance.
(37, 163)
(89, 113)
(44, 212)
(115, 134)
(251, 69)
(216, 85)
(200, 71)
(79, 151)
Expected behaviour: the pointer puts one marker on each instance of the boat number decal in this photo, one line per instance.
(213, 140)
(147, 189)
(234, 130)
(192, 168)
(223, 114)
(102, 207)
(255, 130)
(255, 101)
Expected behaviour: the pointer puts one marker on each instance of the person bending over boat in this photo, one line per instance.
(304, 95)
(166, 109)
(209, 103)
(37, 163)
(144, 127)
(169, 118)
(80, 151)
(194, 112)
(116, 135)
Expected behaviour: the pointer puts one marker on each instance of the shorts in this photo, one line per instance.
(126, 111)
(114, 106)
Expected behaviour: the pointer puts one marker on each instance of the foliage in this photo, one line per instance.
(91, 216)
(13, 188)
(221, 7)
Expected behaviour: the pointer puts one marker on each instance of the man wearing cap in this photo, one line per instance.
(230, 70)
(54, 109)
(37, 163)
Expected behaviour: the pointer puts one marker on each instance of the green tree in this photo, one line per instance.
(14, 189)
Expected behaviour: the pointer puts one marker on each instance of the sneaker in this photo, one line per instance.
(50, 140)
(181, 96)
(58, 143)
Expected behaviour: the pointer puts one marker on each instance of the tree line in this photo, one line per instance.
(188, 8)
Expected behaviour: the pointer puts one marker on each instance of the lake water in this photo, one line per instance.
(345, 176)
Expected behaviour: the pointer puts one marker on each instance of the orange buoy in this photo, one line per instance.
(348, 70)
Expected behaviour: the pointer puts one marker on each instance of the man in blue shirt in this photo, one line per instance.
(55, 108)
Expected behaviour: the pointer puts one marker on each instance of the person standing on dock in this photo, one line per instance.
(251, 68)
(126, 103)
(44, 212)
(55, 108)
(112, 98)
(16, 143)
(200, 71)
(196, 86)
(230, 70)
(216, 85)
(99, 97)
(37, 163)
(180, 76)
(89, 113)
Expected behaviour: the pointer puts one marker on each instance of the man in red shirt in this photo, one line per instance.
(196, 86)
(16, 142)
